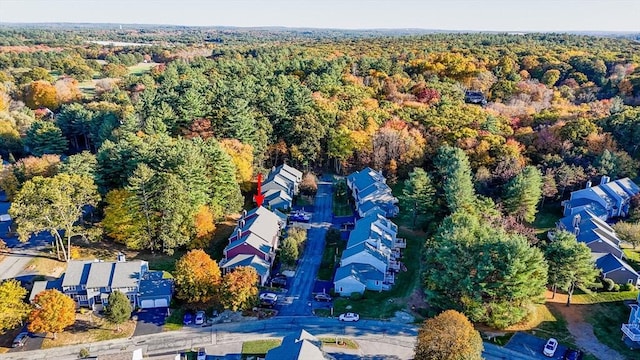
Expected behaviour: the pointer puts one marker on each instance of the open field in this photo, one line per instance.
(141, 68)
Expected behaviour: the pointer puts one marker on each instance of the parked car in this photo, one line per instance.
(349, 317)
(322, 297)
(279, 281)
(202, 354)
(268, 299)
(187, 319)
(200, 318)
(571, 354)
(300, 216)
(550, 347)
(20, 340)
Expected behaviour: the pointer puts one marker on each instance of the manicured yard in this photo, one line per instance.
(330, 256)
(633, 257)
(546, 218)
(87, 329)
(603, 297)
(255, 347)
(45, 265)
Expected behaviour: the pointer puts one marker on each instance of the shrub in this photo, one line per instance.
(84, 353)
(616, 288)
(627, 287)
(608, 284)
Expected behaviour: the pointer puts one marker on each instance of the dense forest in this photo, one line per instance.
(169, 150)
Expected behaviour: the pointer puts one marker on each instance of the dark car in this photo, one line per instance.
(20, 339)
(279, 281)
(572, 354)
(187, 319)
(474, 97)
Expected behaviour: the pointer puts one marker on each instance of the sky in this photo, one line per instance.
(475, 15)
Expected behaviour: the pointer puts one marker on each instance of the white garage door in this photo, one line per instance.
(148, 304)
(160, 303)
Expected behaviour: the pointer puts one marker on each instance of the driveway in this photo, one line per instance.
(532, 346)
(150, 321)
(33, 343)
(299, 297)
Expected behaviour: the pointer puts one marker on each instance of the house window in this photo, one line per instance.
(71, 288)
(97, 299)
(630, 281)
(340, 288)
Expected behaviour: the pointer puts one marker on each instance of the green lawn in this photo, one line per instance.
(547, 217)
(141, 68)
(606, 319)
(256, 347)
(603, 297)
(633, 257)
(330, 256)
(174, 321)
(339, 342)
(341, 206)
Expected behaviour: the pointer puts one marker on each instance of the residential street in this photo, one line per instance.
(299, 294)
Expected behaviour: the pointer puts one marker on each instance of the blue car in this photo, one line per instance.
(187, 319)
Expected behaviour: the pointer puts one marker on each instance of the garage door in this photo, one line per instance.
(149, 304)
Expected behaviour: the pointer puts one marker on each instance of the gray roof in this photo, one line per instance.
(284, 174)
(252, 240)
(100, 274)
(298, 346)
(127, 274)
(77, 273)
(284, 167)
(360, 272)
(261, 266)
(608, 263)
(364, 247)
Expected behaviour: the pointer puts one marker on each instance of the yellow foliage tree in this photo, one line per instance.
(448, 336)
(204, 226)
(122, 221)
(41, 94)
(242, 156)
(13, 309)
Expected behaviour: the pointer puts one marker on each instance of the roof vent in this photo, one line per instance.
(120, 257)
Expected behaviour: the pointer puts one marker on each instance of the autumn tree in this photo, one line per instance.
(13, 309)
(67, 90)
(45, 138)
(53, 311)
(204, 227)
(41, 94)
(118, 308)
(122, 221)
(448, 336)
(242, 156)
(628, 232)
(239, 288)
(570, 264)
(523, 193)
(197, 277)
(54, 205)
(309, 184)
(418, 195)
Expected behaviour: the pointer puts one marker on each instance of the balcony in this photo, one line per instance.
(394, 265)
(632, 331)
(390, 278)
(400, 243)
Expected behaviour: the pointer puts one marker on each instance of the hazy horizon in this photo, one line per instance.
(451, 15)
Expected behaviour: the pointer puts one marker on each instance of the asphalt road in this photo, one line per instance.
(298, 298)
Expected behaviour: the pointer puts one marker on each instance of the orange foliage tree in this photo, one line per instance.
(197, 277)
(242, 156)
(41, 94)
(53, 311)
(68, 90)
(239, 288)
(448, 336)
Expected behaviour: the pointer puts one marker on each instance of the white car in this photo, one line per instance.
(268, 299)
(200, 318)
(349, 317)
(202, 354)
(550, 347)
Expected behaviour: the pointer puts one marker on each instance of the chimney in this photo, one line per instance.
(576, 220)
(605, 179)
(241, 224)
(576, 231)
(120, 257)
(239, 234)
(588, 184)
